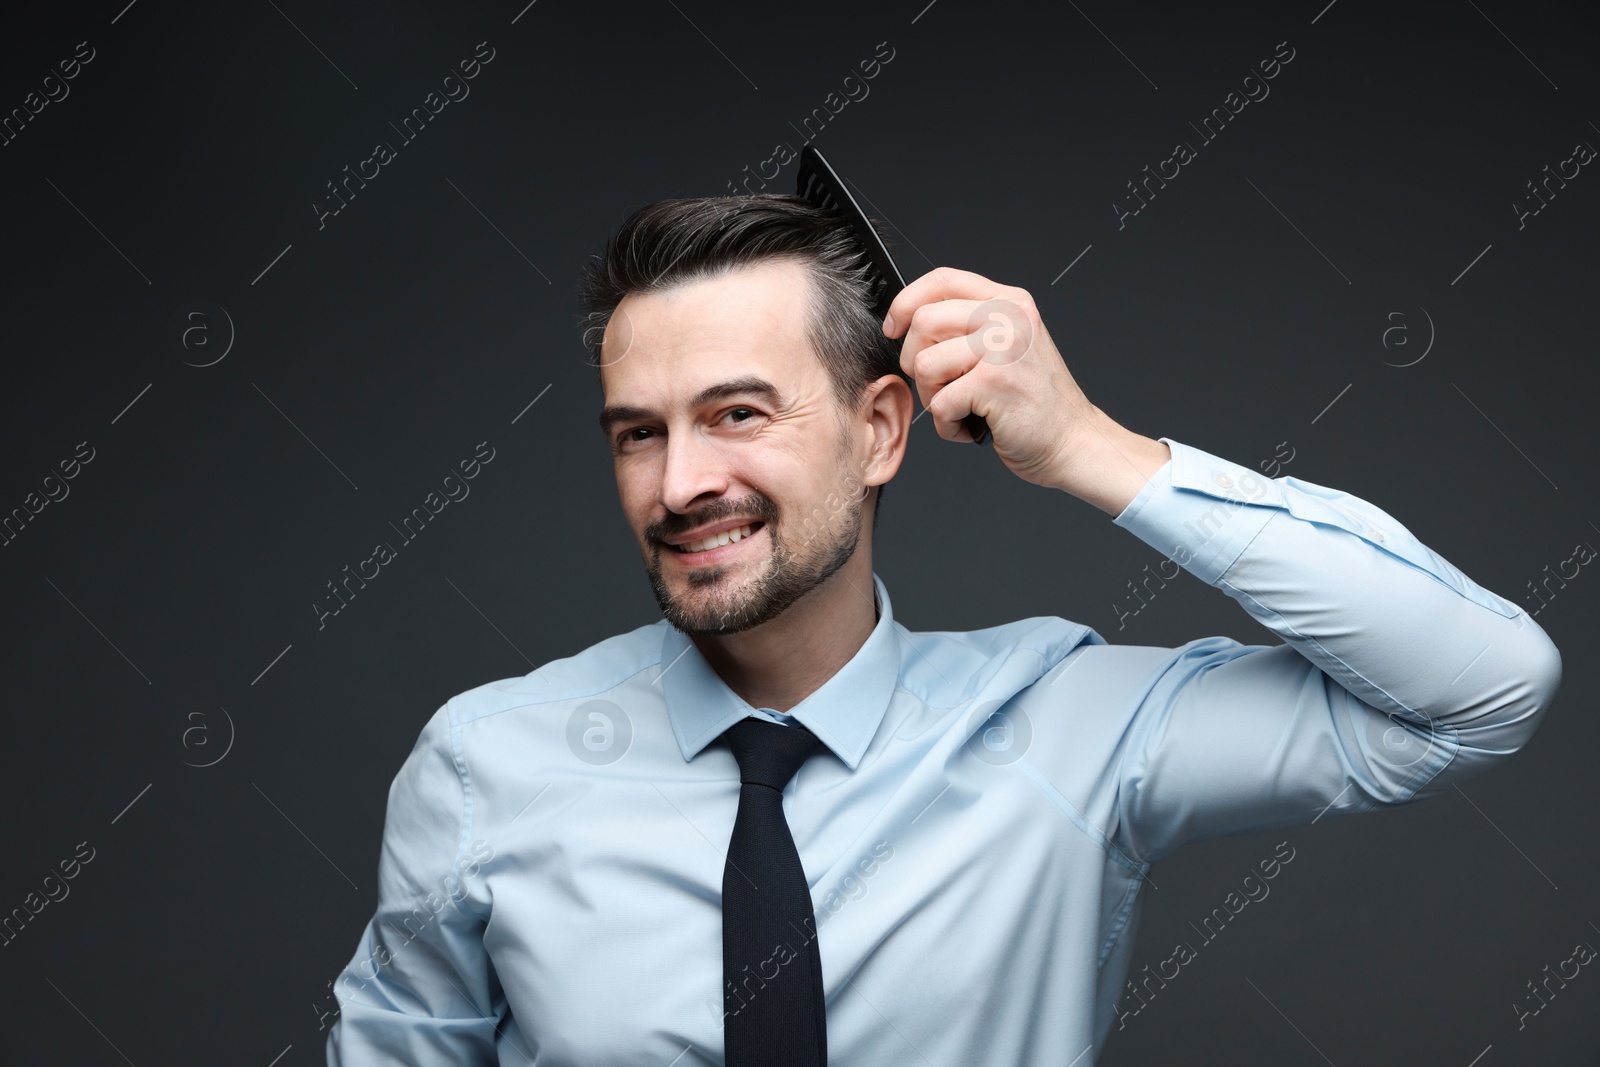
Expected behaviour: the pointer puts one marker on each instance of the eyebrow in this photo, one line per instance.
(748, 385)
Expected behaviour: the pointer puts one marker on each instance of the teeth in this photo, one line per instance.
(717, 541)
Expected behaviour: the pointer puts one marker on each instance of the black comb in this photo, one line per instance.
(818, 183)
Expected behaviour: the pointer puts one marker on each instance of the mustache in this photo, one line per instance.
(757, 507)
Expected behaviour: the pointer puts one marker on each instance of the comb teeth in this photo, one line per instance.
(817, 183)
(816, 191)
(820, 191)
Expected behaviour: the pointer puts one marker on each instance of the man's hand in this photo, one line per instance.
(974, 345)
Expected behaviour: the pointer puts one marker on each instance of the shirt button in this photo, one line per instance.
(1376, 534)
(1224, 481)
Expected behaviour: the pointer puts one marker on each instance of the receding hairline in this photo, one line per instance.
(814, 303)
(718, 271)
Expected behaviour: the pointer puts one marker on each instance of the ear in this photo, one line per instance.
(885, 411)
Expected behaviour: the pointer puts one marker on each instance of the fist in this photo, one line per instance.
(975, 346)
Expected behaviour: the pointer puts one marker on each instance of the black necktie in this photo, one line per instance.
(771, 968)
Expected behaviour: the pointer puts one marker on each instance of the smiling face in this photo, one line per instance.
(728, 441)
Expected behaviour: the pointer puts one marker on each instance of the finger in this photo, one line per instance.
(936, 366)
(952, 404)
(933, 323)
(940, 283)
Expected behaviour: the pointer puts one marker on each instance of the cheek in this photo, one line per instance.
(809, 469)
(636, 492)
(769, 475)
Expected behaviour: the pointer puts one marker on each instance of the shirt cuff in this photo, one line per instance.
(1201, 510)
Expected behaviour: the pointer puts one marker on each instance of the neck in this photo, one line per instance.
(781, 662)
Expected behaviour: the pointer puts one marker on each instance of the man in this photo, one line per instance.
(565, 854)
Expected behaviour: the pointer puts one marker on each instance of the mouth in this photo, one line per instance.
(718, 547)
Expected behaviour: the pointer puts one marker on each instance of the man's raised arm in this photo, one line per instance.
(1398, 677)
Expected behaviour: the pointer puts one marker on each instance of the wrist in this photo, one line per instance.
(1106, 464)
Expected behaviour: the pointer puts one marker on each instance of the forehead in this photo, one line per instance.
(674, 342)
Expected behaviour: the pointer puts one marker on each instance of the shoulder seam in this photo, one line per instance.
(602, 688)
(465, 779)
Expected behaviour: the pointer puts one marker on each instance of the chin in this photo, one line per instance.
(711, 608)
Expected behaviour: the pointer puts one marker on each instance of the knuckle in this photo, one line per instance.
(1024, 300)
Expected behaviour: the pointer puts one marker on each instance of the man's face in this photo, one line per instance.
(722, 422)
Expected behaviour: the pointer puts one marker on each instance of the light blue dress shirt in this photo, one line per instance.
(976, 832)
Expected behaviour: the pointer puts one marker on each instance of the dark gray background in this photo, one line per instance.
(143, 610)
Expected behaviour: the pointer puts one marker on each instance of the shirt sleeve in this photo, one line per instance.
(1398, 678)
(420, 988)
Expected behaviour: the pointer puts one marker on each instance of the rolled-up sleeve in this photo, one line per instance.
(1398, 677)
(420, 987)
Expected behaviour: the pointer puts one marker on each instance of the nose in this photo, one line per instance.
(695, 467)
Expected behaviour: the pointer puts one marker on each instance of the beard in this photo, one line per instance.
(716, 602)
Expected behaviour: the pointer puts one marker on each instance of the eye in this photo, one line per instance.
(749, 412)
(626, 436)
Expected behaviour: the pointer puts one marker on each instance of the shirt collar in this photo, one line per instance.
(844, 712)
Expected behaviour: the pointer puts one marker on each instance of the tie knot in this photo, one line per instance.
(769, 753)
